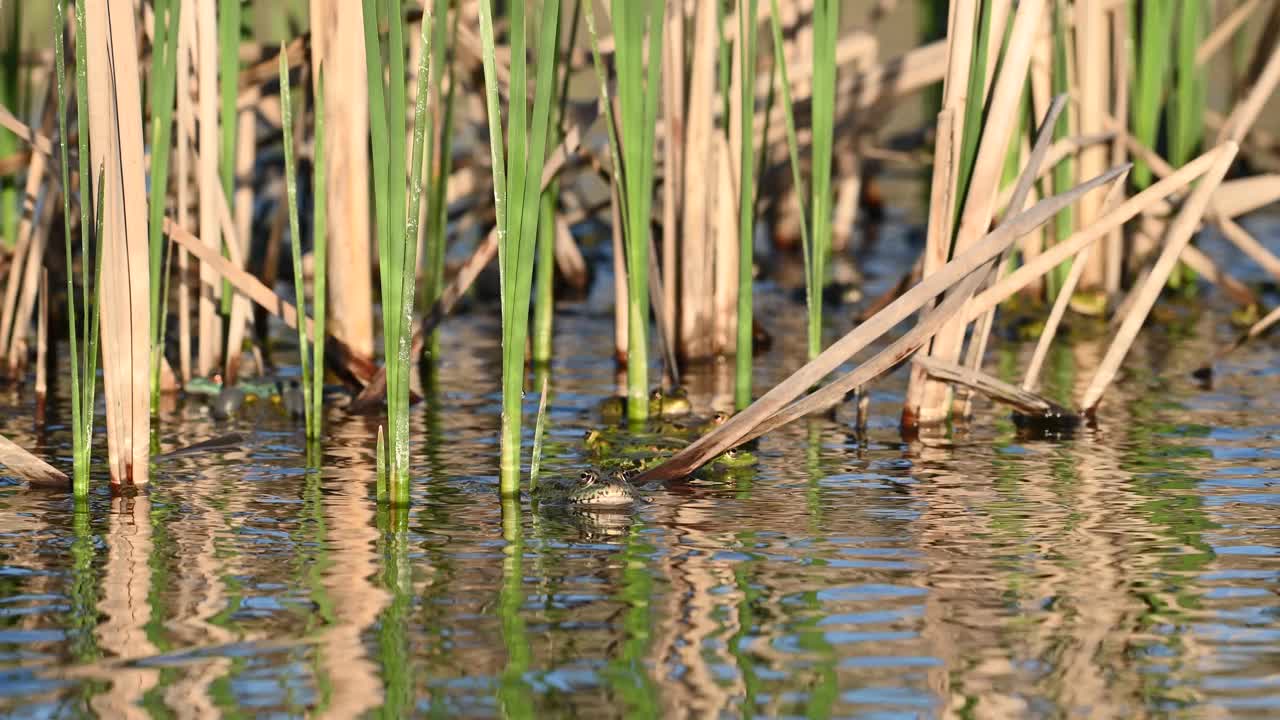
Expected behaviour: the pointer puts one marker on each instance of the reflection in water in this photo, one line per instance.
(1127, 571)
(126, 609)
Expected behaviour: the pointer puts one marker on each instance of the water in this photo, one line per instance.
(1129, 571)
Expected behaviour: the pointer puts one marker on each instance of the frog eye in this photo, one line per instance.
(731, 453)
(655, 395)
(588, 477)
(721, 417)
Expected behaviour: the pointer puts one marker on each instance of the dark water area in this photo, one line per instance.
(1131, 570)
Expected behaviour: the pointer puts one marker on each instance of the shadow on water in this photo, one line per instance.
(1127, 570)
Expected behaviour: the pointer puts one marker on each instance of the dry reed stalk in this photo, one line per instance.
(979, 203)
(241, 311)
(182, 183)
(1055, 255)
(42, 348)
(1177, 237)
(30, 280)
(696, 335)
(1018, 398)
(37, 140)
(724, 213)
(115, 125)
(1242, 239)
(1031, 379)
(957, 278)
(941, 196)
(29, 467)
(1218, 38)
(673, 74)
(1059, 151)
(999, 20)
(1246, 112)
(1113, 245)
(1091, 39)
(32, 199)
(208, 181)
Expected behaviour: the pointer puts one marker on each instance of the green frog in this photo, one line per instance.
(226, 401)
(591, 491)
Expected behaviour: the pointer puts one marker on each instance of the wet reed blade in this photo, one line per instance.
(115, 129)
(743, 361)
(29, 467)
(517, 169)
(163, 87)
(544, 269)
(295, 239)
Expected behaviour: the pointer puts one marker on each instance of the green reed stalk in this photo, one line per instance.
(746, 203)
(971, 133)
(163, 90)
(1185, 116)
(295, 236)
(517, 183)
(397, 219)
(632, 133)
(228, 87)
(826, 26)
(83, 335)
(1152, 32)
(80, 442)
(1064, 173)
(793, 151)
(10, 96)
(320, 288)
(544, 277)
(437, 199)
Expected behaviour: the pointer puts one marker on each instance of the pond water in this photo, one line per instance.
(1132, 570)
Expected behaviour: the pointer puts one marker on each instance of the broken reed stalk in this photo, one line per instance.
(632, 141)
(517, 171)
(743, 363)
(957, 278)
(117, 144)
(1176, 238)
(168, 14)
(397, 223)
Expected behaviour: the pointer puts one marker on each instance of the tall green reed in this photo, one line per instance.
(229, 12)
(517, 183)
(397, 224)
(83, 336)
(320, 271)
(10, 96)
(163, 90)
(632, 133)
(310, 361)
(1152, 24)
(747, 32)
(439, 165)
(815, 232)
(1064, 173)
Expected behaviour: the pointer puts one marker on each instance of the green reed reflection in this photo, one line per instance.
(629, 678)
(515, 696)
(393, 622)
